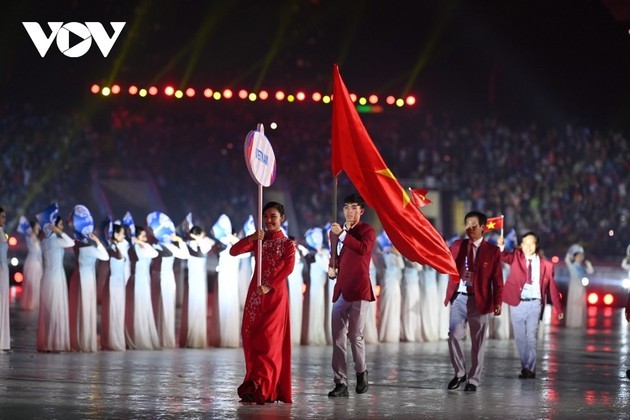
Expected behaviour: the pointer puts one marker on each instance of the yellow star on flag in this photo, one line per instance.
(490, 225)
(388, 173)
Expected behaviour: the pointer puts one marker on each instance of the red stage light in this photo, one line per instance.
(169, 90)
(390, 100)
(410, 100)
(190, 92)
(300, 96)
(227, 93)
(153, 91)
(242, 94)
(317, 96)
(18, 277)
(353, 97)
(95, 88)
(12, 241)
(279, 95)
(116, 89)
(133, 90)
(373, 99)
(263, 95)
(207, 92)
(593, 298)
(608, 299)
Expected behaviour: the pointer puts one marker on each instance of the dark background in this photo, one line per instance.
(540, 59)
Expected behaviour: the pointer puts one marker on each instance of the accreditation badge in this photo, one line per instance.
(468, 278)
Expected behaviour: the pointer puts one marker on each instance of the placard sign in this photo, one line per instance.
(259, 157)
(261, 164)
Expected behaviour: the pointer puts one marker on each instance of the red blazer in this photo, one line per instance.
(353, 278)
(488, 280)
(518, 277)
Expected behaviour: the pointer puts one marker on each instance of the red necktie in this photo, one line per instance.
(471, 257)
(530, 275)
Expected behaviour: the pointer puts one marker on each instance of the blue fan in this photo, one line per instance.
(222, 229)
(24, 227)
(83, 222)
(46, 218)
(250, 226)
(510, 240)
(127, 221)
(161, 225)
(314, 238)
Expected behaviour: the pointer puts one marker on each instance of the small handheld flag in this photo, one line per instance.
(419, 197)
(494, 223)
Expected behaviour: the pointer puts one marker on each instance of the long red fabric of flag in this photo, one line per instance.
(354, 153)
(494, 223)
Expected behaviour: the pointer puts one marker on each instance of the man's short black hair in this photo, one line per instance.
(354, 199)
(483, 219)
(532, 234)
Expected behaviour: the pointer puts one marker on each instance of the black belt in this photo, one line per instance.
(528, 299)
(465, 294)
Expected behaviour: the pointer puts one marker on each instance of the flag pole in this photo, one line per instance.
(502, 217)
(333, 246)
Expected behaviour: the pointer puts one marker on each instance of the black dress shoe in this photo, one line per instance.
(527, 374)
(362, 382)
(456, 382)
(471, 388)
(340, 390)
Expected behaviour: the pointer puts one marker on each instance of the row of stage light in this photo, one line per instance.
(263, 95)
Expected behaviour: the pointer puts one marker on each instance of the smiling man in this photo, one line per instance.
(531, 276)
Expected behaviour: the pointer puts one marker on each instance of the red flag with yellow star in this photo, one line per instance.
(494, 223)
(354, 153)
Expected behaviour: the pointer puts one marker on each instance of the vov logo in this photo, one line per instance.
(61, 32)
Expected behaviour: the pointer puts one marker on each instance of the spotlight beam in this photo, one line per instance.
(436, 33)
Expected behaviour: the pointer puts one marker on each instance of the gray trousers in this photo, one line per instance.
(464, 309)
(525, 320)
(348, 321)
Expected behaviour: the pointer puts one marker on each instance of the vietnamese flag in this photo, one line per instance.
(354, 153)
(420, 197)
(494, 223)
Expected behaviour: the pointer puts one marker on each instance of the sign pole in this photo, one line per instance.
(260, 226)
(261, 163)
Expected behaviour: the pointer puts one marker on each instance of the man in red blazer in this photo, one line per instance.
(531, 276)
(473, 295)
(352, 246)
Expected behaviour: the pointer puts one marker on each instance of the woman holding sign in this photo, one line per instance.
(266, 329)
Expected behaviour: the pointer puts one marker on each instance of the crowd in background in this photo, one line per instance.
(569, 183)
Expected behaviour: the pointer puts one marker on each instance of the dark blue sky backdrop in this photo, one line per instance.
(521, 59)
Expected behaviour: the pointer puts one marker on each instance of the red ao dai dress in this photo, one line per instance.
(266, 327)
